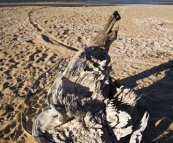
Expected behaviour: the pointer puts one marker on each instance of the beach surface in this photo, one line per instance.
(36, 44)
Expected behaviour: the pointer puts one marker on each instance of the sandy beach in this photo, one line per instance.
(36, 44)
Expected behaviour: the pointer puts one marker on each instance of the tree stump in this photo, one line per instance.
(84, 103)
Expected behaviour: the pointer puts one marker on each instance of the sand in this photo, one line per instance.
(36, 44)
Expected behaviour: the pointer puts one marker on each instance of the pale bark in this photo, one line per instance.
(84, 104)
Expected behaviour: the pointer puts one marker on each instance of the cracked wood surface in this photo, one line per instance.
(31, 60)
(81, 105)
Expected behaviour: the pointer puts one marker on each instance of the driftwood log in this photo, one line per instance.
(85, 105)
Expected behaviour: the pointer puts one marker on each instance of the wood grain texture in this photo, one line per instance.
(84, 102)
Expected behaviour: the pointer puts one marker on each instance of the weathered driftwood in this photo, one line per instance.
(85, 105)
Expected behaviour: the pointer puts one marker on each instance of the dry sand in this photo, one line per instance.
(36, 44)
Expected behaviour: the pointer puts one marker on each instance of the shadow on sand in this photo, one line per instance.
(159, 103)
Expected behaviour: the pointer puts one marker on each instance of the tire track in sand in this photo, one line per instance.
(50, 39)
(43, 39)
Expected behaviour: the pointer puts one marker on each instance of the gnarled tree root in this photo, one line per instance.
(85, 105)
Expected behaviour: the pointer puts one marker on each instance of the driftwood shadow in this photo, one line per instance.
(48, 40)
(162, 89)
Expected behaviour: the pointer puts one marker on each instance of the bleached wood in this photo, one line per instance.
(136, 136)
(84, 103)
